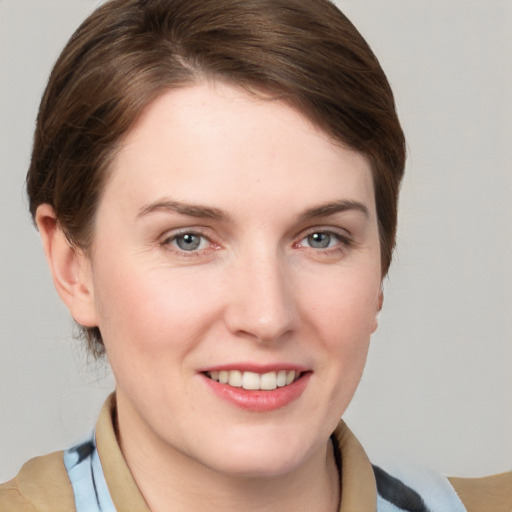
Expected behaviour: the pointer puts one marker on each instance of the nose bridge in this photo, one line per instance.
(262, 302)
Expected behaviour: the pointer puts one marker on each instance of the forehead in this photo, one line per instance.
(216, 142)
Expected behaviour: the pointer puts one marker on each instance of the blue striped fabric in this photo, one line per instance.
(87, 479)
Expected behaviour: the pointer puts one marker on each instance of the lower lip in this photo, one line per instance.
(260, 401)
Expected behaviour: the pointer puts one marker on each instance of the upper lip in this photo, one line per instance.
(256, 368)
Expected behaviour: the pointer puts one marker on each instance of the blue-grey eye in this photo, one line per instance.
(320, 240)
(188, 241)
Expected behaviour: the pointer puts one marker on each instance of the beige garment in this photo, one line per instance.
(42, 485)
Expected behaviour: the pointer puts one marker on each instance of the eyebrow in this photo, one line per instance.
(207, 212)
(328, 209)
(182, 208)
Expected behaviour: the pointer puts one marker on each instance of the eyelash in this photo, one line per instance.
(342, 241)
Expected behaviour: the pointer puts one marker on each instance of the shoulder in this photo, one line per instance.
(42, 485)
(419, 489)
(487, 493)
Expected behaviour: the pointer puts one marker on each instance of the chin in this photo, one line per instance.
(260, 456)
(261, 467)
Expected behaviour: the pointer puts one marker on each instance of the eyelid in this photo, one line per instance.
(333, 230)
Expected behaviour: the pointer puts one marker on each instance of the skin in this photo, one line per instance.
(257, 289)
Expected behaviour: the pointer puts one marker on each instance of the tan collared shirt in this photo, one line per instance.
(43, 485)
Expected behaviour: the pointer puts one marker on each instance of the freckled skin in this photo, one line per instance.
(260, 284)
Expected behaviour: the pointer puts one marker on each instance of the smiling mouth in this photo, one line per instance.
(255, 381)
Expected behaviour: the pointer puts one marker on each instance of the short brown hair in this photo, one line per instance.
(128, 52)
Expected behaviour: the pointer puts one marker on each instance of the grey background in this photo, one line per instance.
(438, 385)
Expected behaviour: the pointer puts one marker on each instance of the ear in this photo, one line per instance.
(69, 266)
(380, 302)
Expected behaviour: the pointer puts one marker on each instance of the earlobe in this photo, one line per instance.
(69, 266)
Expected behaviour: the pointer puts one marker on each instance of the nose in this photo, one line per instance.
(261, 302)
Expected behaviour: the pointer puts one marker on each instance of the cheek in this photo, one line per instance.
(344, 315)
(150, 307)
(346, 302)
(151, 324)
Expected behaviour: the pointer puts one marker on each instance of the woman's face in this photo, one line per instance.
(234, 241)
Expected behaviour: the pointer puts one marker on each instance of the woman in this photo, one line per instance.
(218, 209)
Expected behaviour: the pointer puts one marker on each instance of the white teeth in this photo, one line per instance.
(250, 380)
(235, 379)
(255, 381)
(281, 379)
(269, 381)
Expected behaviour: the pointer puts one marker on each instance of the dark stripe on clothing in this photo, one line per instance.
(95, 489)
(83, 451)
(396, 492)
